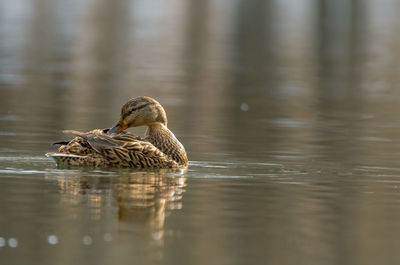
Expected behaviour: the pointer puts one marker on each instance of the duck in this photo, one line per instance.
(114, 147)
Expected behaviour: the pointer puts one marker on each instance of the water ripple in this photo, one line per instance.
(21, 171)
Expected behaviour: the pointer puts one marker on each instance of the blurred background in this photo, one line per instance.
(281, 92)
(233, 75)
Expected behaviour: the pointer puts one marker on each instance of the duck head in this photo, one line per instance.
(140, 111)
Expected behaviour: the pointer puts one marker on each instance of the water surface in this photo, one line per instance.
(288, 111)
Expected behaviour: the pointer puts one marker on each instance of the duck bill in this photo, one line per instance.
(118, 128)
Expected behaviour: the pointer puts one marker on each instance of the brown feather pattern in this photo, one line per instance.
(123, 150)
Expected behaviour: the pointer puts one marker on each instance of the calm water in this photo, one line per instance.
(289, 111)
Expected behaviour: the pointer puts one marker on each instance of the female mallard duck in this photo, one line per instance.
(116, 148)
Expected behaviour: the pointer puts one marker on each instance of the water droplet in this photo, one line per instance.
(52, 239)
(12, 242)
(2, 242)
(87, 240)
(157, 235)
(107, 237)
(244, 107)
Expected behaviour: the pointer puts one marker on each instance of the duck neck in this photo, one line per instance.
(162, 138)
(156, 130)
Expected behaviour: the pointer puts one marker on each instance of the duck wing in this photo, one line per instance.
(126, 150)
(96, 140)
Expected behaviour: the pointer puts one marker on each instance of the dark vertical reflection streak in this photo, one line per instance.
(253, 82)
(195, 35)
(339, 76)
(254, 75)
(341, 103)
(100, 58)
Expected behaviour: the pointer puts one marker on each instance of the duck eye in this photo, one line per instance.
(133, 110)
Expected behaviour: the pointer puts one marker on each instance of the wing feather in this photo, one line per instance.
(123, 149)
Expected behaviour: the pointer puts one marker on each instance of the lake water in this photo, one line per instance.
(289, 112)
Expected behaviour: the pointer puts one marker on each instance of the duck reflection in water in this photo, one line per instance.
(141, 197)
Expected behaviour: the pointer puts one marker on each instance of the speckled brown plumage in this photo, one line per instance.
(115, 148)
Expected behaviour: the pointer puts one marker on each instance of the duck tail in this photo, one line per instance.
(60, 143)
(67, 159)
